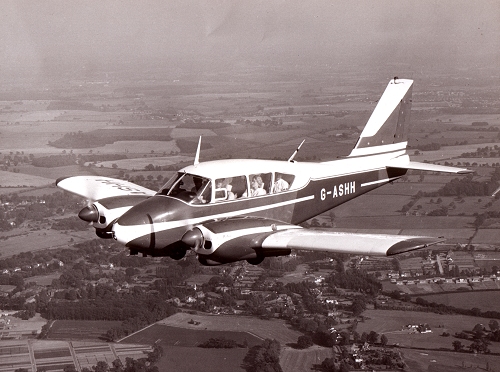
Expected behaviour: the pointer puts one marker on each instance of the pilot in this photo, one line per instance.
(198, 183)
(256, 187)
(280, 184)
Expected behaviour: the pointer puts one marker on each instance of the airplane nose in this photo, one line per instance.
(135, 231)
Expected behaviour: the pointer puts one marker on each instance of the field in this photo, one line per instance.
(56, 355)
(262, 329)
(180, 339)
(293, 360)
(10, 179)
(484, 300)
(91, 330)
(191, 359)
(444, 361)
(30, 241)
(19, 328)
(174, 336)
(391, 323)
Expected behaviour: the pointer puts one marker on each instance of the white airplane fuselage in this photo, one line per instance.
(157, 225)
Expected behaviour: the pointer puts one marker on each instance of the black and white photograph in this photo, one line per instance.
(249, 186)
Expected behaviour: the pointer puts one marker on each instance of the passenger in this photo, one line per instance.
(256, 187)
(230, 194)
(280, 184)
(223, 183)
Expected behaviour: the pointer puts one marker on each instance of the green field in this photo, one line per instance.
(484, 300)
(80, 330)
(446, 361)
(190, 359)
(391, 323)
(174, 336)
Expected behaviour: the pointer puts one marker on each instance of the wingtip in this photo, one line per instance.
(60, 179)
(413, 244)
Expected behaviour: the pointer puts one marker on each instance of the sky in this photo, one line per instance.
(46, 38)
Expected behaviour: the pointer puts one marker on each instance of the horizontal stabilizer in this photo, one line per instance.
(338, 242)
(413, 165)
(97, 188)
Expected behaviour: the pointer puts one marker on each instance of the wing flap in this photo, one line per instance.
(96, 187)
(338, 242)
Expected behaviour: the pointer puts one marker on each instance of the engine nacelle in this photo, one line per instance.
(104, 213)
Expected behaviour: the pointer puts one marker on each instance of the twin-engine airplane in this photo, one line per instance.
(232, 210)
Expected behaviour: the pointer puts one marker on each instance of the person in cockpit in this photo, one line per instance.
(256, 187)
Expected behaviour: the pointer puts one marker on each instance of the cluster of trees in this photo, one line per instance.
(72, 223)
(81, 140)
(264, 357)
(92, 158)
(480, 336)
(446, 309)
(220, 343)
(53, 161)
(321, 333)
(356, 280)
(85, 140)
(262, 123)
(343, 361)
(465, 186)
(71, 105)
(483, 152)
(191, 124)
(429, 146)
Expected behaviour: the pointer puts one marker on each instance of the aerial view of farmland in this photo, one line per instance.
(128, 94)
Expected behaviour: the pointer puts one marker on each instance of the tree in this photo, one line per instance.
(358, 305)
(328, 365)
(383, 340)
(304, 342)
(457, 345)
(372, 337)
(101, 366)
(478, 331)
(493, 324)
(264, 358)
(344, 367)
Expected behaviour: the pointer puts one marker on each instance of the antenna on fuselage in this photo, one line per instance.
(295, 152)
(197, 156)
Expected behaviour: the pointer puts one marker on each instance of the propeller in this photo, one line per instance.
(89, 213)
(193, 238)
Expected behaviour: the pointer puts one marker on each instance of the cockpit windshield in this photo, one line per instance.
(189, 188)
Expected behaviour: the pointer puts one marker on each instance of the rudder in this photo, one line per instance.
(387, 128)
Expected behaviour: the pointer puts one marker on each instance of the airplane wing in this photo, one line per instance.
(247, 238)
(97, 188)
(338, 242)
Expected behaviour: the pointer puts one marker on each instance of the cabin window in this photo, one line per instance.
(282, 182)
(230, 188)
(189, 188)
(260, 184)
(166, 187)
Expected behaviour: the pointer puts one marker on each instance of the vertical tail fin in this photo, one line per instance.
(387, 129)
